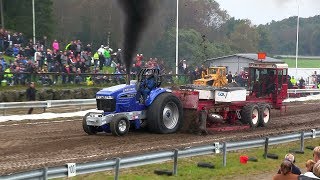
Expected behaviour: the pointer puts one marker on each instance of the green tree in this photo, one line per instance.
(283, 36)
(18, 17)
(244, 38)
(264, 43)
(193, 47)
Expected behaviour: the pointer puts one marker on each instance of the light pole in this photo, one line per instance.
(1, 9)
(297, 44)
(177, 38)
(34, 23)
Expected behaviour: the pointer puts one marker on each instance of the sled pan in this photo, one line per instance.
(213, 128)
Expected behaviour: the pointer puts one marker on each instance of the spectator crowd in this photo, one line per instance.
(289, 171)
(50, 62)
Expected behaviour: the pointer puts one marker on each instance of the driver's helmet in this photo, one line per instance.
(149, 74)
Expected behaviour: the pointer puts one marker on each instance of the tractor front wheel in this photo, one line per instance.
(119, 126)
(250, 115)
(91, 130)
(165, 114)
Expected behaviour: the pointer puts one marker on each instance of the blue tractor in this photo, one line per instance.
(136, 105)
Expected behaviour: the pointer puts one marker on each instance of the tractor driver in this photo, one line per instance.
(148, 85)
(270, 83)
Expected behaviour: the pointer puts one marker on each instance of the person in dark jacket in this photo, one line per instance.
(229, 77)
(31, 95)
(295, 170)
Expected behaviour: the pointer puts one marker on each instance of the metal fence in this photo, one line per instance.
(85, 102)
(72, 169)
(55, 78)
(299, 91)
(46, 104)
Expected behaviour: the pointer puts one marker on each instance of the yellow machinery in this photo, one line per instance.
(214, 76)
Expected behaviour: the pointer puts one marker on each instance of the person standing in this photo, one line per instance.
(229, 77)
(55, 46)
(31, 95)
(285, 169)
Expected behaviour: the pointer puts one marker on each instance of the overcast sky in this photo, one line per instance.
(264, 11)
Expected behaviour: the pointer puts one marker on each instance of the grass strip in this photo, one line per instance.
(303, 63)
(187, 167)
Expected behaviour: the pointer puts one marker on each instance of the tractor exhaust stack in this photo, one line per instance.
(127, 79)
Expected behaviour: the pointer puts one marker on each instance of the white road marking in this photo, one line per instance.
(82, 113)
(45, 116)
(36, 123)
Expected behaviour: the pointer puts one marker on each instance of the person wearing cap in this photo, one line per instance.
(290, 157)
(101, 50)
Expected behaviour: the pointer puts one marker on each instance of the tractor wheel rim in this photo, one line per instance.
(122, 125)
(255, 116)
(266, 115)
(170, 115)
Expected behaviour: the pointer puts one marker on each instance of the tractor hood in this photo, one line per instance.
(115, 90)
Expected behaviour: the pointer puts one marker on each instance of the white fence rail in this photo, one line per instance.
(301, 91)
(85, 102)
(46, 104)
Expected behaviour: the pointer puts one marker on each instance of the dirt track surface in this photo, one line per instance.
(36, 144)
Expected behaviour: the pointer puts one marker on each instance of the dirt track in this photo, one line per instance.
(30, 145)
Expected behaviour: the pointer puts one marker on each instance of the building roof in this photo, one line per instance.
(249, 56)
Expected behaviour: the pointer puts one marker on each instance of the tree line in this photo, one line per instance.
(206, 30)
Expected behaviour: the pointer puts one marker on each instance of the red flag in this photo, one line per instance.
(262, 55)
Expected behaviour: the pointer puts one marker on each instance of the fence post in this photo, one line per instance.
(224, 154)
(266, 144)
(175, 162)
(302, 142)
(45, 173)
(313, 133)
(117, 169)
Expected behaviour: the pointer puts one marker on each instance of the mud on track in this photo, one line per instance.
(30, 145)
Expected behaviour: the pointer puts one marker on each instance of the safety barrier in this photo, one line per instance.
(72, 169)
(84, 102)
(297, 91)
(46, 104)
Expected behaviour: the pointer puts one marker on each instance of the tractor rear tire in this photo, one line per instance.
(165, 115)
(250, 115)
(120, 125)
(91, 130)
(264, 118)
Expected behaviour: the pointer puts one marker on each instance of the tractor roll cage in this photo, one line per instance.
(263, 75)
(143, 73)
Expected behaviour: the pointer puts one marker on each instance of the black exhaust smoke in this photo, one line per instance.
(137, 13)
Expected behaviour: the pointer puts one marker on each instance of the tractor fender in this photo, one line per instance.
(153, 95)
